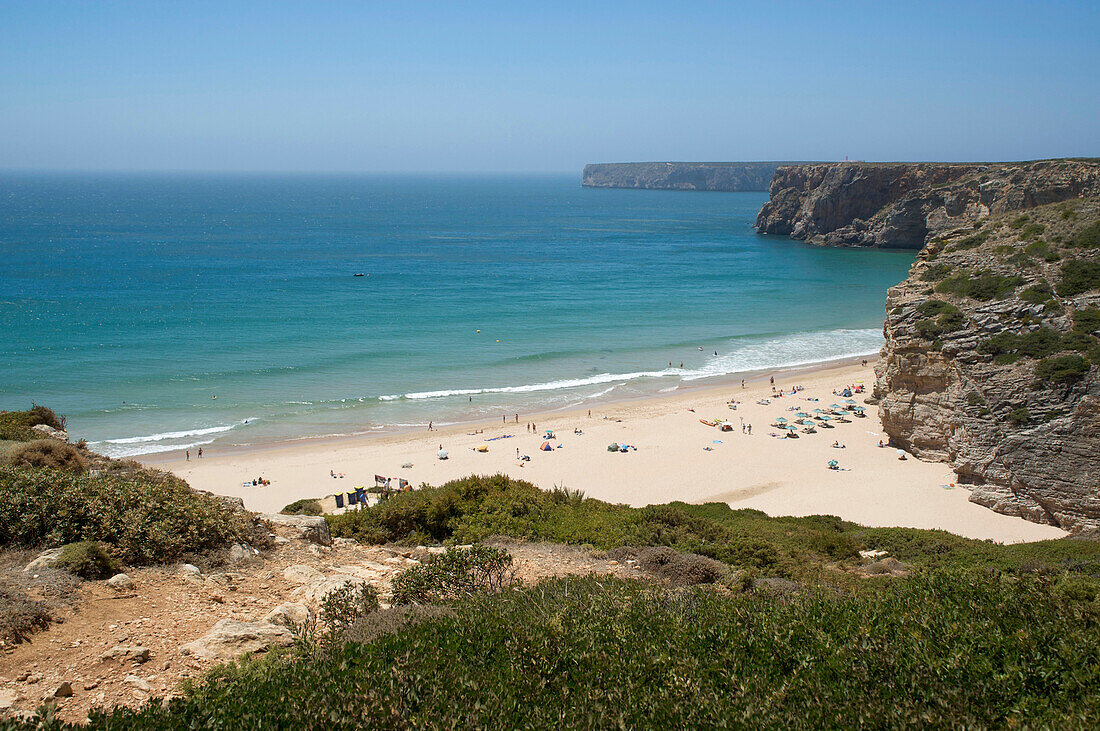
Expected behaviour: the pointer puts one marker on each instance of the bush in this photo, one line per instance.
(1019, 222)
(1019, 416)
(1086, 237)
(679, 569)
(457, 573)
(1032, 230)
(144, 518)
(1034, 344)
(974, 399)
(982, 286)
(305, 506)
(950, 650)
(17, 425)
(1062, 369)
(48, 453)
(20, 616)
(971, 242)
(1086, 320)
(87, 559)
(342, 607)
(1042, 250)
(936, 272)
(1037, 294)
(1078, 276)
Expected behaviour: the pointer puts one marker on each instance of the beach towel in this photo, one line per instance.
(339, 501)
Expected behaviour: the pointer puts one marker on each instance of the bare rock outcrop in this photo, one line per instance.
(229, 639)
(904, 205)
(992, 361)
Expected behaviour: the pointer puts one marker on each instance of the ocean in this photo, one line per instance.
(163, 312)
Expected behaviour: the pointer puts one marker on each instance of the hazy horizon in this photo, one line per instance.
(496, 88)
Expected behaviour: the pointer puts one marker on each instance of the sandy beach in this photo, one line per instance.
(676, 458)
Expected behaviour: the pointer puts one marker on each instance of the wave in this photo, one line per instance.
(119, 452)
(782, 352)
(176, 434)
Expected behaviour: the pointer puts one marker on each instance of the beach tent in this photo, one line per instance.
(546, 447)
(442, 454)
(612, 447)
(482, 448)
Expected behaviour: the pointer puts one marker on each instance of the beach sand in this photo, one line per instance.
(778, 476)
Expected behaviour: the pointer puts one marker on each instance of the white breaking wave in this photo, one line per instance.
(118, 451)
(162, 441)
(784, 352)
(173, 435)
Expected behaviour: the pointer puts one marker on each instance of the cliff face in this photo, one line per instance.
(992, 361)
(715, 176)
(903, 205)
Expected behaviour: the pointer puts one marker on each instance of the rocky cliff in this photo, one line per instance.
(992, 359)
(903, 205)
(715, 176)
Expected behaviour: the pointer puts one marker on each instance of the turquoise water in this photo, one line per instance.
(130, 302)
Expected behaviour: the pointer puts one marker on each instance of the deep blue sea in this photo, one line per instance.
(129, 302)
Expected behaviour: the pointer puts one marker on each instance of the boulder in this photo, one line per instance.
(122, 654)
(301, 574)
(44, 560)
(230, 638)
(49, 432)
(242, 553)
(318, 589)
(139, 683)
(312, 528)
(189, 569)
(64, 690)
(289, 615)
(121, 582)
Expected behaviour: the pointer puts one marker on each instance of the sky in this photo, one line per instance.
(406, 86)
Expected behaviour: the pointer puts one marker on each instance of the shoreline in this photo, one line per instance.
(385, 432)
(675, 457)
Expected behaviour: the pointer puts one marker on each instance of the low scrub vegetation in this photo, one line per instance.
(147, 517)
(305, 506)
(943, 650)
(18, 425)
(47, 453)
(1079, 276)
(1062, 369)
(20, 615)
(982, 285)
(86, 559)
(1086, 237)
(457, 573)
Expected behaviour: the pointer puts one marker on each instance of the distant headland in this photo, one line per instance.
(728, 177)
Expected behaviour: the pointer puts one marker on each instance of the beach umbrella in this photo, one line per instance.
(818, 411)
(780, 419)
(835, 406)
(803, 414)
(826, 418)
(849, 400)
(833, 463)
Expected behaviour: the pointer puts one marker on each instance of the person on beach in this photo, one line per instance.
(200, 452)
(430, 426)
(772, 379)
(517, 418)
(742, 383)
(590, 413)
(750, 429)
(188, 455)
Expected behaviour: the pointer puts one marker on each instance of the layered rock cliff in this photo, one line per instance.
(903, 205)
(992, 361)
(715, 176)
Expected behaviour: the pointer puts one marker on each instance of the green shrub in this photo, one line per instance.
(1078, 276)
(1086, 237)
(305, 506)
(974, 399)
(457, 573)
(931, 308)
(1035, 344)
(982, 286)
(947, 650)
(1019, 416)
(1042, 250)
(1019, 222)
(1032, 230)
(342, 607)
(936, 272)
(17, 425)
(1086, 320)
(1037, 293)
(47, 454)
(1062, 369)
(87, 559)
(971, 242)
(144, 518)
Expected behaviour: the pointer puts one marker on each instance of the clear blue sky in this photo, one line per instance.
(517, 86)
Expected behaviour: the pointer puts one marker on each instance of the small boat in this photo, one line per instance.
(708, 422)
(360, 274)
